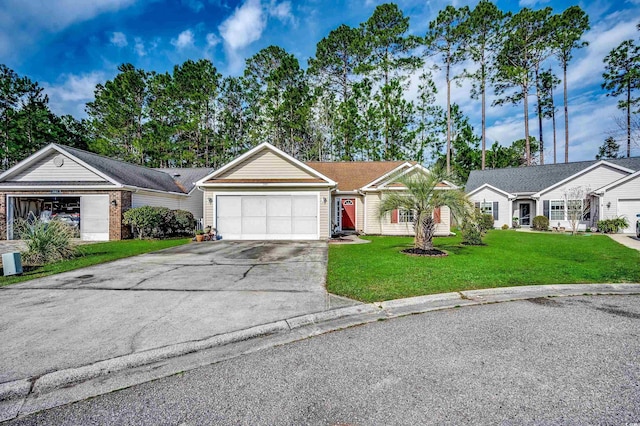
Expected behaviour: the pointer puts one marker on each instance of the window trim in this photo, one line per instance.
(562, 210)
(404, 215)
(484, 209)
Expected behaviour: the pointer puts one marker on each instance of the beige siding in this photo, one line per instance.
(373, 220)
(504, 205)
(323, 194)
(359, 214)
(45, 170)
(266, 165)
(192, 203)
(383, 226)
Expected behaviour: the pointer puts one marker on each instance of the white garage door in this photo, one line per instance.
(629, 209)
(267, 217)
(94, 217)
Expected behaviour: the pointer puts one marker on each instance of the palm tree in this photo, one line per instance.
(424, 194)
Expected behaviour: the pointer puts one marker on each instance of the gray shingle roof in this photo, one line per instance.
(536, 178)
(138, 176)
(187, 177)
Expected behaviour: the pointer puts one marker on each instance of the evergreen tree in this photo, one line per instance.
(483, 38)
(622, 77)
(445, 38)
(609, 149)
(567, 31)
(526, 35)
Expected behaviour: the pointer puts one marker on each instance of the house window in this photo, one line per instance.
(486, 208)
(574, 209)
(406, 216)
(556, 210)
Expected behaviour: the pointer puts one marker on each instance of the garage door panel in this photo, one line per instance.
(254, 225)
(231, 207)
(254, 206)
(279, 225)
(279, 206)
(305, 206)
(302, 225)
(629, 208)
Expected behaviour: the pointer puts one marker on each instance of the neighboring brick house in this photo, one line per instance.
(91, 191)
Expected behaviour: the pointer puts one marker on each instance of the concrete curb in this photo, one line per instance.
(14, 395)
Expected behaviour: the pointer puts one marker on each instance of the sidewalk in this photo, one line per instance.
(628, 240)
(22, 397)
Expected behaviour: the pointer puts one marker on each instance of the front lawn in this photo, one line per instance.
(378, 271)
(92, 254)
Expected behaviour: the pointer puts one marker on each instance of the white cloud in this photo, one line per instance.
(281, 11)
(212, 40)
(138, 47)
(74, 91)
(244, 26)
(118, 39)
(185, 40)
(194, 5)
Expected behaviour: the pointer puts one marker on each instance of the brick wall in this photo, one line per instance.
(117, 231)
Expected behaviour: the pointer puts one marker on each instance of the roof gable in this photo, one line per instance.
(533, 179)
(83, 168)
(265, 164)
(54, 166)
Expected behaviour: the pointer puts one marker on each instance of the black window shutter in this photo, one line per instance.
(495, 210)
(545, 208)
(477, 205)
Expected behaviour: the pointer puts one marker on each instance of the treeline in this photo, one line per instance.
(367, 94)
(27, 123)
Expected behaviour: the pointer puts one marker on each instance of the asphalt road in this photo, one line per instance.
(545, 361)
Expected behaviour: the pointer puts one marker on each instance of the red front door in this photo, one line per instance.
(348, 206)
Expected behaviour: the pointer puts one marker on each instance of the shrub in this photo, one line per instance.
(159, 222)
(46, 242)
(471, 233)
(145, 221)
(541, 223)
(485, 222)
(185, 222)
(612, 226)
(505, 226)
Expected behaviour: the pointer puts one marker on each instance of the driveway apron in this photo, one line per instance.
(177, 295)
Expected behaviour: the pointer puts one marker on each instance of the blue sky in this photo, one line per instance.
(71, 45)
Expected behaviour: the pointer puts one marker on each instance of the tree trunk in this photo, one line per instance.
(628, 120)
(539, 118)
(566, 115)
(424, 228)
(484, 117)
(448, 119)
(526, 125)
(553, 121)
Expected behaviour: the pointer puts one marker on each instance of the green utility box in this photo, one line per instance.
(11, 263)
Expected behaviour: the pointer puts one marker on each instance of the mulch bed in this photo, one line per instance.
(428, 253)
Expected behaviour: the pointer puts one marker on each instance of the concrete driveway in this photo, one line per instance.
(177, 295)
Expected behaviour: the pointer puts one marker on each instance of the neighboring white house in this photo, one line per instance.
(605, 189)
(91, 191)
